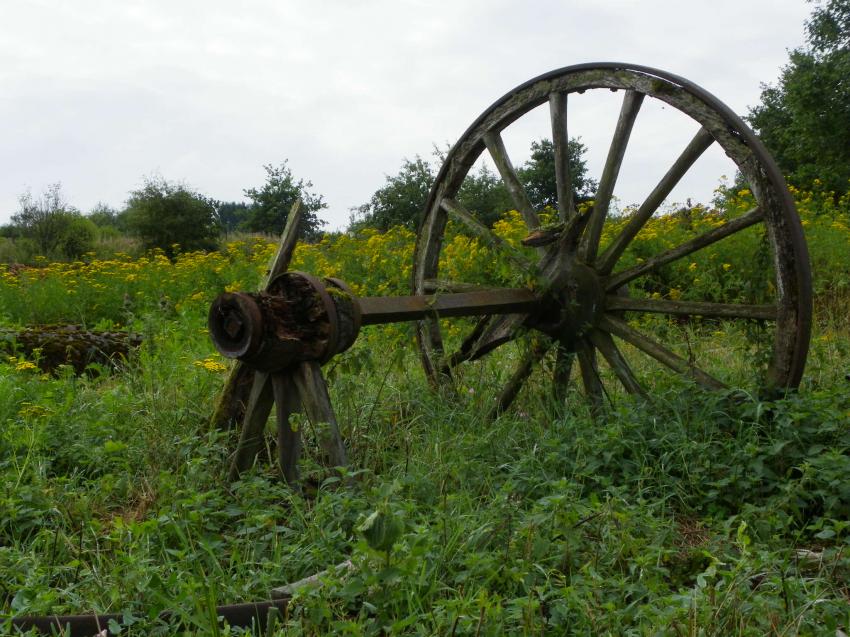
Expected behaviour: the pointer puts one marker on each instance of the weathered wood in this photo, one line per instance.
(257, 410)
(692, 308)
(560, 140)
(619, 279)
(497, 150)
(621, 329)
(593, 388)
(564, 359)
(628, 113)
(288, 241)
(694, 150)
(312, 581)
(605, 344)
(49, 346)
(229, 408)
(316, 401)
(287, 403)
(518, 378)
(461, 214)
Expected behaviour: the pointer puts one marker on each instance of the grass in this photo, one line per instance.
(692, 514)
(689, 514)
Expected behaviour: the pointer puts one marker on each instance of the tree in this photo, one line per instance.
(56, 228)
(272, 202)
(804, 120)
(171, 216)
(538, 173)
(401, 201)
(232, 215)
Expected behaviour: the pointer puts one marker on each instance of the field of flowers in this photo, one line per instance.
(693, 513)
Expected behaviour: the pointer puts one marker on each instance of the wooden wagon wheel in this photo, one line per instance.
(581, 274)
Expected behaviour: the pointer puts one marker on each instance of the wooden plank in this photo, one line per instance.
(287, 403)
(316, 401)
(257, 412)
(518, 378)
(593, 388)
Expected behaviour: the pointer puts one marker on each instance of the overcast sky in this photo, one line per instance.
(97, 95)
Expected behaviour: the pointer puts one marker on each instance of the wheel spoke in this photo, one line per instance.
(503, 163)
(657, 351)
(257, 412)
(631, 105)
(560, 140)
(605, 344)
(564, 359)
(518, 378)
(287, 402)
(489, 333)
(692, 308)
(463, 215)
(590, 375)
(697, 243)
(698, 145)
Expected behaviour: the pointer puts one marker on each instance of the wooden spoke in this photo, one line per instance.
(564, 359)
(518, 378)
(746, 220)
(462, 215)
(257, 412)
(503, 163)
(631, 105)
(560, 140)
(692, 308)
(288, 239)
(489, 333)
(657, 351)
(287, 403)
(590, 375)
(698, 145)
(317, 405)
(605, 344)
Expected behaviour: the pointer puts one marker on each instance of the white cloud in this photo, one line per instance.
(98, 94)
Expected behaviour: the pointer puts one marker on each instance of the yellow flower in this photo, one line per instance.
(24, 366)
(692, 267)
(211, 365)
(727, 266)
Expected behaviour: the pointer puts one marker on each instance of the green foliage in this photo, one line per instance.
(689, 513)
(55, 229)
(272, 202)
(170, 216)
(401, 201)
(804, 119)
(538, 174)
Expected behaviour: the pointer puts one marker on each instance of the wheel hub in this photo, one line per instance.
(576, 302)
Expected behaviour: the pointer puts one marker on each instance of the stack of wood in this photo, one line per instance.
(50, 346)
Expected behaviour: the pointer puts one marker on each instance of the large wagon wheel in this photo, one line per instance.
(591, 314)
